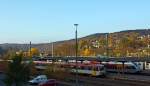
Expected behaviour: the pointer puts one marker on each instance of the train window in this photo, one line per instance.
(133, 67)
(114, 67)
(61, 66)
(86, 68)
(82, 67)
(110, 66)
(130, 67)
(73, 67)
(89, 68)
(79, 67)
(95, 68)
(101, 68)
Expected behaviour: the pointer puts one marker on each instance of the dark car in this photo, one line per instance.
(50, 82)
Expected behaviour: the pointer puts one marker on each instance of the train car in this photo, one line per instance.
(129, 67)
(88, 69)
(85, 68)
(41, 65)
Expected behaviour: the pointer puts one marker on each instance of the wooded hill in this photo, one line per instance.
(118, 44)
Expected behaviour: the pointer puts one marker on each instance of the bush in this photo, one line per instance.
(17, 72)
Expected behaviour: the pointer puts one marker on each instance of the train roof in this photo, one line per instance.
(86, 64)
(118, 63)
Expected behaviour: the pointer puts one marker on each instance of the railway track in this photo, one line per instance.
(93, 81)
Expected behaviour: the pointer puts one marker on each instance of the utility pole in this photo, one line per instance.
(53, 61)
(148, 45)
(52, 50)
(107, 45)
(76, 54)
(30, 48)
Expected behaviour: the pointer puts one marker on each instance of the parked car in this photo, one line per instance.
(50, 82)
(38, 79)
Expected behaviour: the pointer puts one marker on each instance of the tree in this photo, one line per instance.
(33, 52)
(17, 73)
(87, 52)
(2, 51)
(9, 53)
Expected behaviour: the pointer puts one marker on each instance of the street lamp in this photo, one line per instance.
(76, 54)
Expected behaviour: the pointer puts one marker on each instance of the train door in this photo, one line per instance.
(147, 65)
(94, 69)
(118, 68)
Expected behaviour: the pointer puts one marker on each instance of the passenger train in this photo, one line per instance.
(84, 68)
(129, 67)
(88, 69)
(94, 68)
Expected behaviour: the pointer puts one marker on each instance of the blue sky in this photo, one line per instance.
(42, 21)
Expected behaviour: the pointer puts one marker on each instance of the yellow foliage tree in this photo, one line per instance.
(33, 52)
(87, 52)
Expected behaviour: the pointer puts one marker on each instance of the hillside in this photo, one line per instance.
(95, 44)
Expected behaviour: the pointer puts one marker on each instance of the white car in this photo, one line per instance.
(38, 79)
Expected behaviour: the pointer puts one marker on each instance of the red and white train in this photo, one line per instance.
(84, 68)
(94, 68)
(89, 69)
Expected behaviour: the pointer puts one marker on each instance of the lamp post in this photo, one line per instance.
(76, 54)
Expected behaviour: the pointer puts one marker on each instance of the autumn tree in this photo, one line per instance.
(33, 52)
(87, 52)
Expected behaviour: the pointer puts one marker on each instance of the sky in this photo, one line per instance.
(43, 21)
